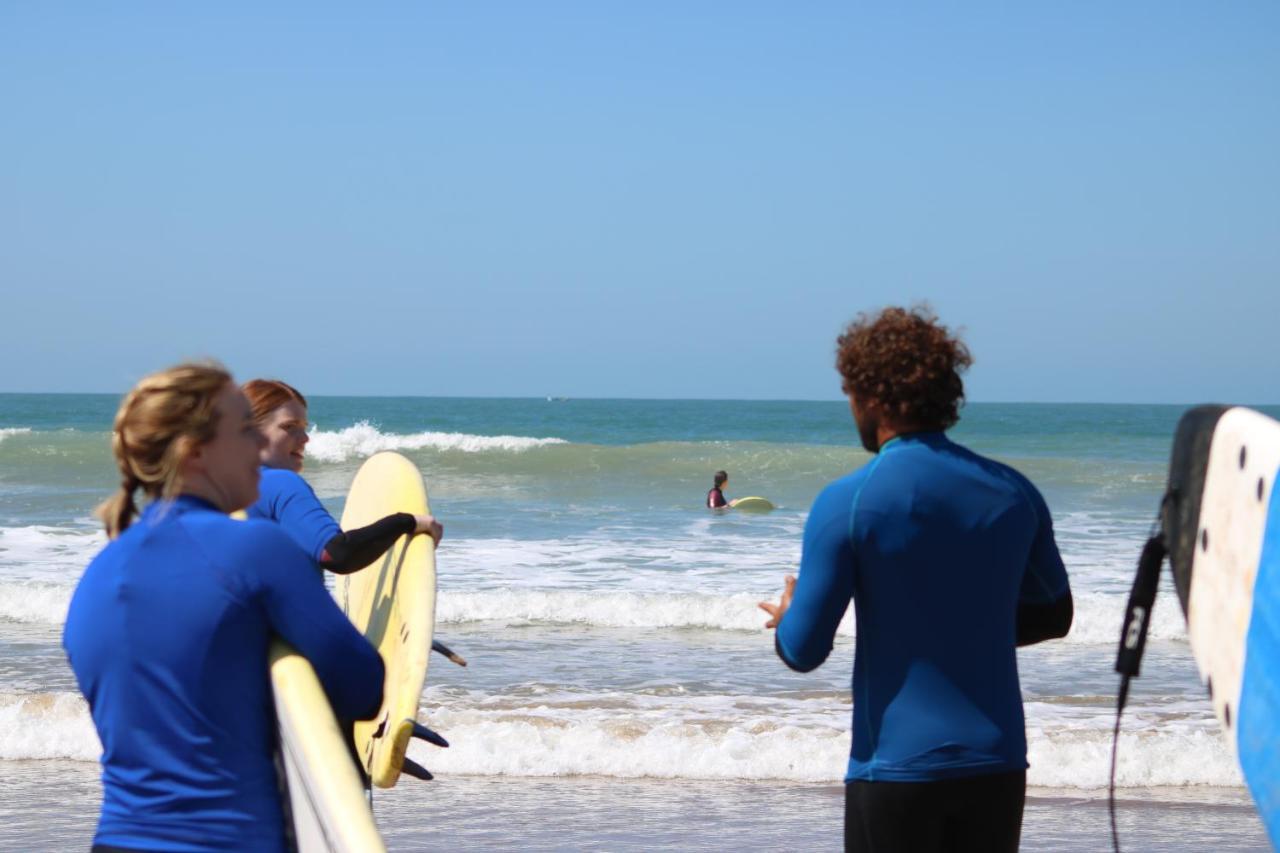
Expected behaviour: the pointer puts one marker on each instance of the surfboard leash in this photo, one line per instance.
(1133, 642)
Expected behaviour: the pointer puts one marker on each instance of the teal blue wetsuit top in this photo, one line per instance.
(167, 633)
(286, 498)
(937, 547)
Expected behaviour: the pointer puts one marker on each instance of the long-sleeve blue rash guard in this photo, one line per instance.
(167, 634)
(938, 547)
(286, 498)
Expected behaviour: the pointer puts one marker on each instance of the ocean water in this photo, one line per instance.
(622, 691)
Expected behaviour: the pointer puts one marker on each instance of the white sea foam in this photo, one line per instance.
(752, 737)
(1097, 615)
(34, 602)
(1097, 619)
(46, 725)
(5, 432)
(48, 553)
(772, 738)
(607, 610)
(1161, 743)
(364, 439)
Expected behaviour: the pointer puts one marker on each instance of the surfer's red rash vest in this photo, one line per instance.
(167, 634)
(939, 548)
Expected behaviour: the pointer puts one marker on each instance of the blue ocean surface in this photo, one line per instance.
(610, 619)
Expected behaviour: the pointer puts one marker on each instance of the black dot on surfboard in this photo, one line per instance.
(1226, 714)
(1259, 488)
(1242, 457)
(1204, 539)
(1209, 682)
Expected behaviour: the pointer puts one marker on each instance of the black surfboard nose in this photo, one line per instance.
(1180, 511)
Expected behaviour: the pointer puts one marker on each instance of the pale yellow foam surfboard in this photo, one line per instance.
(327, 804)
(754, 503)
(326, 799)
(393, 603)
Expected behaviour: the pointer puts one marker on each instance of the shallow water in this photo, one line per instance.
(618, 666)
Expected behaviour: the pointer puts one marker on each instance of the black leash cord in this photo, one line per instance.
(1133, 642)
(1115, 749)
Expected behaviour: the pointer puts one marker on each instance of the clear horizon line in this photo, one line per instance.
(567, 398)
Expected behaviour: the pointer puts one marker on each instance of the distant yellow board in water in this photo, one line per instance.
(393, 603)
(752, 504)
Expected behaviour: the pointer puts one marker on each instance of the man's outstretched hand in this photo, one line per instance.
(776, 611)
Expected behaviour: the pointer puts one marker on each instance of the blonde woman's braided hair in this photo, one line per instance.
(166, 416)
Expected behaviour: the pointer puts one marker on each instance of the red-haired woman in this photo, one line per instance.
(280, 411)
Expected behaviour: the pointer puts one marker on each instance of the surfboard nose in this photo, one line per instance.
(1180, 511)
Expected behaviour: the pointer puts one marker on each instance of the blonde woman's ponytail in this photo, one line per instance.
(159, 422)
(118, 511)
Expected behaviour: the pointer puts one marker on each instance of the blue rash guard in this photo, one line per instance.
(937, 547)
(167, 634)
(284, 497)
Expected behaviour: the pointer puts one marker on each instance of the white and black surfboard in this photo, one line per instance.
(1221, 523)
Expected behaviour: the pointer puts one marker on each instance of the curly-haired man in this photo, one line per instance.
(951, 563)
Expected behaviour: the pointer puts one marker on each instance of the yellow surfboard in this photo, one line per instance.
(754, 503)
(325, 796)
(327, 805)
(393, 603)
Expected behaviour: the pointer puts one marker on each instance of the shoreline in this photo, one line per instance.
(53, 804)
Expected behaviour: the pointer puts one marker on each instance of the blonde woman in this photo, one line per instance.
(168, 629)
(280, 411)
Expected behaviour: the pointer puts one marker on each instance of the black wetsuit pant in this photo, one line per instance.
(975, 813)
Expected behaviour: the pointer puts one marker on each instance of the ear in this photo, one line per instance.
(191, 454)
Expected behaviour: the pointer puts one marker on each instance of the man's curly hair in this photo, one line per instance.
(906, 361)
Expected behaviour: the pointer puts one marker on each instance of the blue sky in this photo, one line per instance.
(641, 199)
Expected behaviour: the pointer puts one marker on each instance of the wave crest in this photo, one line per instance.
(45, 726)
(1097, 620)
(364, 439)
(692, 737)
(606, 609)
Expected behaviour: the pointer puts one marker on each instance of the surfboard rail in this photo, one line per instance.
(325, 795)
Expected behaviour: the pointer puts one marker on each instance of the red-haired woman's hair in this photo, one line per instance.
(267, 395)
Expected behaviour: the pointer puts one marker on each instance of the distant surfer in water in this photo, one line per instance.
(715, 497)
(951, 563)
(280, 411)
(168, 629)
